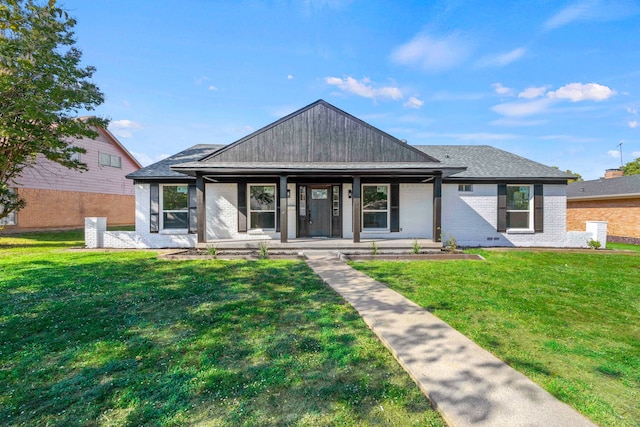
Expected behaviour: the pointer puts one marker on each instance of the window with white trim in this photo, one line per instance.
(107, 159)
(262, 206)
(375, 206)
(174, 202)
(465, 188)
(10, 219)
(519, 207)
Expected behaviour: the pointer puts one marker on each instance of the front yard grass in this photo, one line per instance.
(122, 338)
(569, 321)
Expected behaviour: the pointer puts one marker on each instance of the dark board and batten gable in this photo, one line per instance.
(319, 133)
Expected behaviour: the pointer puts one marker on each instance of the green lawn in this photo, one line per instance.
(569, 321)
(623, 246)
(122, 338)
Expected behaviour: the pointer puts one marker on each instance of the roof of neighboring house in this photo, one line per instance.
(612, 188)
(486, 162)
(162, 169)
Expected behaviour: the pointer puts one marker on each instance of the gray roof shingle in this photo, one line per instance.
(486, 162)
(162, 169)
(621, 186)
(482, 162)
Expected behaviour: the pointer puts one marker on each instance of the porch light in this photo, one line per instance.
(288, 193)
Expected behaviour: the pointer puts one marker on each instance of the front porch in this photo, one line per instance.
(314, 243)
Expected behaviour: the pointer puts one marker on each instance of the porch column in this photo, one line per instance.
(437, 208)
(284, 209)
(355, 195)
(201, 222)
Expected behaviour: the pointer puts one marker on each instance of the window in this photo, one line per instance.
(262, 207)
(465, 188)
(9, 219)
(175, 207)
(107, 159)
(375, 207)
(519, 202)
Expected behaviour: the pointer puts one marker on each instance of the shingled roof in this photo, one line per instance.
(162, 170)
(485, 163)
(621, 187)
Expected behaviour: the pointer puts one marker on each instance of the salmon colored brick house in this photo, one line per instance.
(60, 198)
(615, 200)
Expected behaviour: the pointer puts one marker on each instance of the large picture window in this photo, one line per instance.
(175, 207)
(375, 207)
(262, 206)
(519, 207)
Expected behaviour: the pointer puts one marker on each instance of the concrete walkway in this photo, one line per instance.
(468, 385)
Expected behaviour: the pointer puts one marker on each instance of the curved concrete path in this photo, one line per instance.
(467, 384)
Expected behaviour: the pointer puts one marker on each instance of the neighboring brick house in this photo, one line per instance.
(60, 198)
(615, 200)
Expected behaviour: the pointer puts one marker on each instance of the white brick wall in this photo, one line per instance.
(222, 213)
(469, 217)
(472, 218)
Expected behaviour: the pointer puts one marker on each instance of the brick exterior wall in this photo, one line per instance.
(623, 216)
(54, 209)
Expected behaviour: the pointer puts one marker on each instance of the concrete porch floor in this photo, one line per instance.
(322, 243)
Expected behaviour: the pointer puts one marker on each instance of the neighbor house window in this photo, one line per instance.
(11, 218)
(175, 206)
(519, 206)
(465, 188)
(262, 206)
(375, 207)
(107, 159)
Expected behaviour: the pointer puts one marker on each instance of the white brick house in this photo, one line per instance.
(320, 172)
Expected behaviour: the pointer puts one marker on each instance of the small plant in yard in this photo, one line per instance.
(451, 244)
(594, 244)
(212, 250)
(263, 247)
(374, 248)
(417, 247)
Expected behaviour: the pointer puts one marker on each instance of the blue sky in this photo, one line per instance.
(556, 82)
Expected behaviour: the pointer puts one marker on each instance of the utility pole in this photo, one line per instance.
(620, 149)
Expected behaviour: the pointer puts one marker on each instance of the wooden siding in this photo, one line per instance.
(47, 175)
(319, 133)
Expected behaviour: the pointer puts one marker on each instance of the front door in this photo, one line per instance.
(319, 211)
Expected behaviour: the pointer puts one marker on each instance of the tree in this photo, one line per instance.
(578, 177)
(43, 87)
(632, 168)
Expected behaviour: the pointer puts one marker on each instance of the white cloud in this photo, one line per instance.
(201, 79)
(413, 102)
(146, 160)
(633, 124)
(635, 154)
(431, 53)
(124, 128)
(614, 153)
(502, 59)
(576, 12)
(290, 77)
(479, 136)
(632, 110)
(512, 122)
(533, 92)
(213, 88)
(582, 92)
(592, 10)
(521, 109)
(364, 88)
(502, 90)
